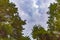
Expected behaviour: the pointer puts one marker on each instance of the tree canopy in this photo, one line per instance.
(10, 22)
(39, 33)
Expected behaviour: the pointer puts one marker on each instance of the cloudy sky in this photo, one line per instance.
(34, 12)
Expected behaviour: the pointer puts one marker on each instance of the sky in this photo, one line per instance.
(34, 12)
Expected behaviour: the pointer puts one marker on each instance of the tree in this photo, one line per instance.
(51, 20)
(54, 19)
(10, 22)
(40, 33)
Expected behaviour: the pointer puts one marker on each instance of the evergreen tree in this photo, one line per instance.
(40, 33)
(10, 22)
(54, 19)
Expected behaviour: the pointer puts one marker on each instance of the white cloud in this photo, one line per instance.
(34, 4)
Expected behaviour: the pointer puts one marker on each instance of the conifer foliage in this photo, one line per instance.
(10, 22)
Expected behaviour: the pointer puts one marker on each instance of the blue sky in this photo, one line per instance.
(34, 11)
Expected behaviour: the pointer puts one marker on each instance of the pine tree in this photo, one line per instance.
(54, 19)
(40, 33)
(10, 22)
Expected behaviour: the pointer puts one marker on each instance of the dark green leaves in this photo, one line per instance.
(10, 22)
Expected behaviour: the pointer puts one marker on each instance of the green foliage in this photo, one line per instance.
(3, 2)
(25, 38)
(38, 32)
(58, 1)
(10, 22)
(54, 20)
(51, 20)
